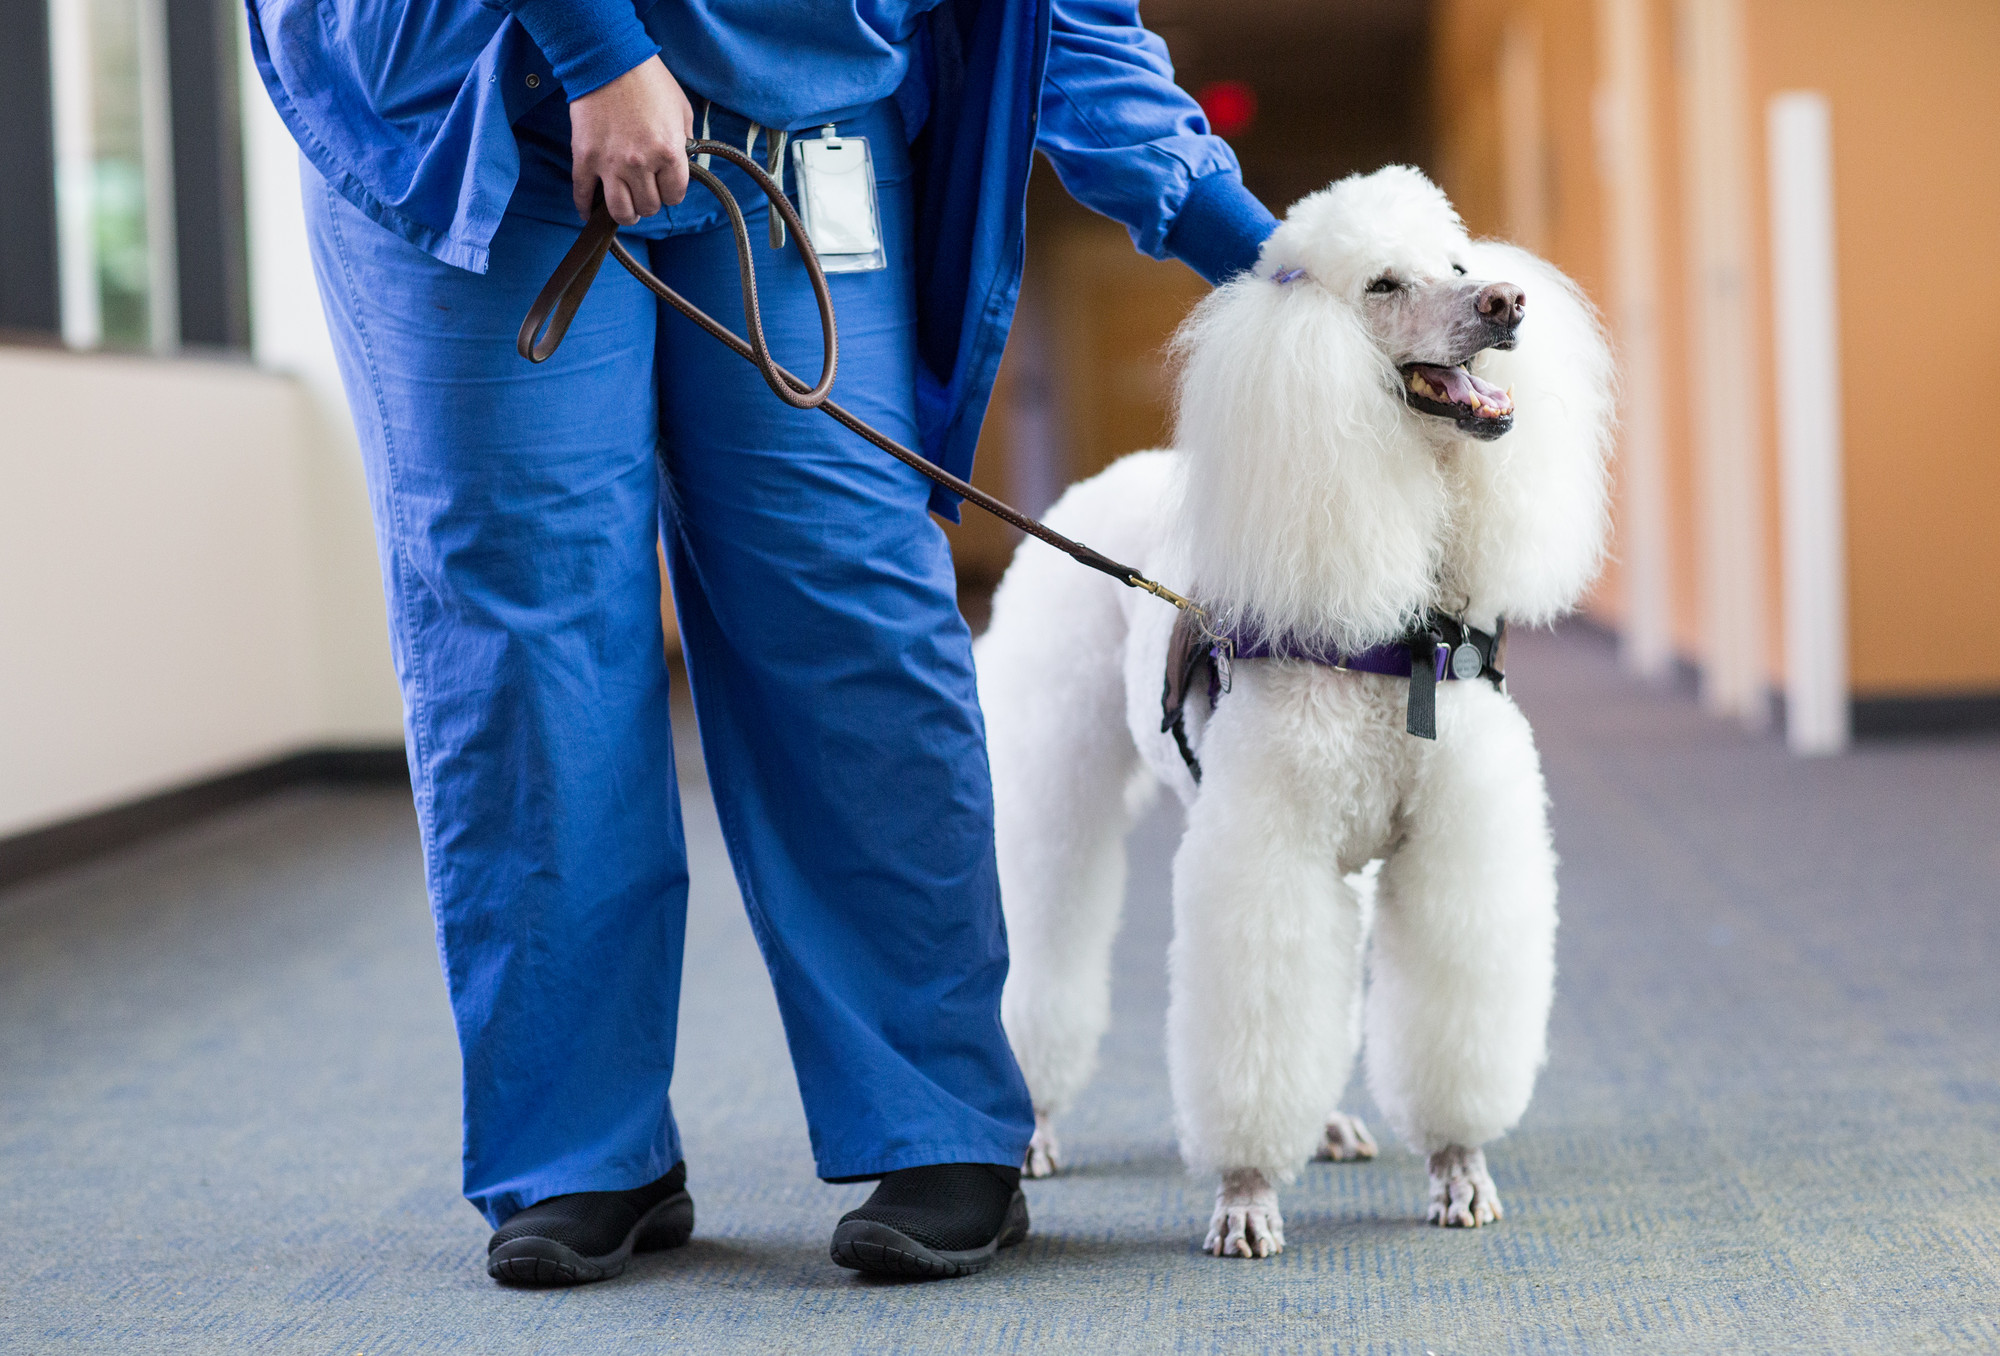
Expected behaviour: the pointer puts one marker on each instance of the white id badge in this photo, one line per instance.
(836, 182)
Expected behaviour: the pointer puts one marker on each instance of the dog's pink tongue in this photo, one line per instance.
(1460, 387)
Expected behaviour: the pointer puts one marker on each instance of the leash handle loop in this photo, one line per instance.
(548, 320)
(555, 306)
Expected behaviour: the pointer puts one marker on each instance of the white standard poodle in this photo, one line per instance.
(1390, 438)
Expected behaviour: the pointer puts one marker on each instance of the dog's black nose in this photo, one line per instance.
(1501, 304)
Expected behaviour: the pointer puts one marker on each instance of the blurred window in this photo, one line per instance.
(148, 174)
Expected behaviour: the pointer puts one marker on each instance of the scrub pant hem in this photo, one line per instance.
(861, 1167)
(508, 1199)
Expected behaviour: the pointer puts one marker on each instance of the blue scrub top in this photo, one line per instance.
(407, 107)
(788, 66)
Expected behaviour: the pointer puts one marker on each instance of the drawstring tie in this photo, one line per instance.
(776, 140)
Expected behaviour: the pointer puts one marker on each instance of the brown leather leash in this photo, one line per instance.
(549, 319)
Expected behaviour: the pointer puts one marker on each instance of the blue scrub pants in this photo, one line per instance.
(517, 509)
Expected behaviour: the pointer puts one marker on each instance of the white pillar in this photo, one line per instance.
(1715, 135)
(1805, 288)
(1627, 171)
(76, 173)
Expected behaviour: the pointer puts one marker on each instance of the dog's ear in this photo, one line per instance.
(1311, 504)
(1534, 534)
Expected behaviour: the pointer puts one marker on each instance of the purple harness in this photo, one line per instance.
(1440, 649)
(1391, 659)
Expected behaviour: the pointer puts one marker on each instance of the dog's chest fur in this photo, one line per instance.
(1337, 741)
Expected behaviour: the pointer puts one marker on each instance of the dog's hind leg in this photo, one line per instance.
(1064, 774)
(1463, 963)
(1062, 873)
(1263, 969)
(1345, 1139)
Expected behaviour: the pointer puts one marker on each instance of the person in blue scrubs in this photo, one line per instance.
(449, 150)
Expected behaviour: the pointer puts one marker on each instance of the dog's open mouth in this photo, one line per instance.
(1477, 407)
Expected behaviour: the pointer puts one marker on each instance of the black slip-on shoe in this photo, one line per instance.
(590, 1235)
(934, 1222)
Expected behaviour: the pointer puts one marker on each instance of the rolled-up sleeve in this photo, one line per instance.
(1130, 143)
(588, 42)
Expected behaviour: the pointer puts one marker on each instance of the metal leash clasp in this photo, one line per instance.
(1222, 647)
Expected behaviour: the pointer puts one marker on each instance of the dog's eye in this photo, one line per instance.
(1459, 269)
(1384, 285)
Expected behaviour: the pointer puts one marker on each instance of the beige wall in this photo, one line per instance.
(162, 614)
(1915, 89)
(1915, 94)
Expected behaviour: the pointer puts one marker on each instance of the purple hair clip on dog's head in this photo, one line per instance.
(1290, 275)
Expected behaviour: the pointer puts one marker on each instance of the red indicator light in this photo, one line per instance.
(1231, 106)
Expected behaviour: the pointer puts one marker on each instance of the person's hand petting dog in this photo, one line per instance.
(631, 135)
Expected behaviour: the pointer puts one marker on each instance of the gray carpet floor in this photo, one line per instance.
(1770, 1121)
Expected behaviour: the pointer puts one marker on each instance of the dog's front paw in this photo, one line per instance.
(1246, 1222)
(1044, 1157)
(1346, 1139)
(1462, 1191)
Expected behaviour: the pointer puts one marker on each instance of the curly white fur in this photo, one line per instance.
(1305, 496)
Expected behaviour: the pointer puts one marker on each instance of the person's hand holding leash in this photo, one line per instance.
(631, 135)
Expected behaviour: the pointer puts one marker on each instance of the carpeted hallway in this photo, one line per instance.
(1770, 1122)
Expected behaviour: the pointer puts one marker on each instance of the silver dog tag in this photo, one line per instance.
(1465, 661)
(836, 179)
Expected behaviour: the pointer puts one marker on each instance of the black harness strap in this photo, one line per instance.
(1421, 719)
(1467, 653)
(1190, 654)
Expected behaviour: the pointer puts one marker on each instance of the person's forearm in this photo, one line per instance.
(1221, 228)
(589, 43)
